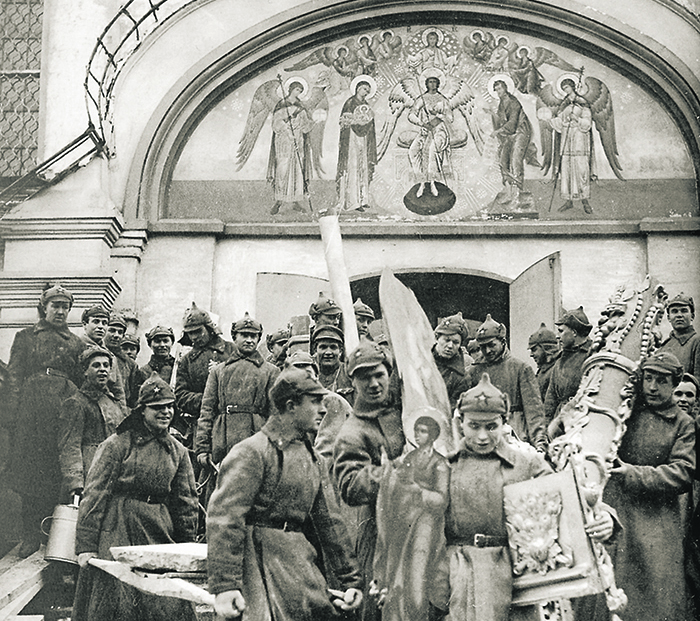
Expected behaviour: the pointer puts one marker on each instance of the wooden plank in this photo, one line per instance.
(24, 575)
(155, 584)
(10, 559)
(12, 610)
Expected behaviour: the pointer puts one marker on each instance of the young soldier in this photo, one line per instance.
(450, 334)
(160, 339)
(683, 342)
(513, 377)
(364, 316)
(269, 515)
(544, 348)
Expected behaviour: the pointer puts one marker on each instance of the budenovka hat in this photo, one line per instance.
(155, 391)
(453, 324)
(543, 336)
(281, 336)
(247, 324)
(362, 310)
(576, 320)
(484, 401)
(663, 362)
(490, 329)
(324, 306)
(682, 300)
(56, 291)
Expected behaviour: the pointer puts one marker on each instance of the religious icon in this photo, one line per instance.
(357, 148)
(513, 129)
(567, 140)
(297, 136)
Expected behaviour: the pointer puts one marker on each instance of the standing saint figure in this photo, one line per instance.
(514, 132)
(429, 153)
(357, 152)
(289, 166)
(574, 122)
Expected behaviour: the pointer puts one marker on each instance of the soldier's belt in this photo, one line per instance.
(240, 409)
(285, 525)
(482, 541)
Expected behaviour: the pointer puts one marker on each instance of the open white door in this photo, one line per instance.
(282, 296)
(535, 297)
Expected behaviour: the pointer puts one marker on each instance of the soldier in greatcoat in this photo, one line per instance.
(276, 344)
(656, 460)
(544, 349)
(450, 334)
(95, 320)
(160, 339)
(513, 377)
(88, 418)
(573, 328)
(43, 372)
(374, 428)
(327, 347)
(683, 341)
(364, 316)
(236, 402)
(126, 369)
(208, 349)
(140, 491)
(269, 519)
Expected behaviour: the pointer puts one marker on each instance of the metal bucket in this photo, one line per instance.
(61, 543)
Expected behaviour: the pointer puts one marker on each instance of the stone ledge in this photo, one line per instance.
(593, 228)
(19, 290)
(106, 228)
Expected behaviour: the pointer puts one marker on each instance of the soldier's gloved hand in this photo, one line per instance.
(85, 557)
(229, 604)
(204, 460)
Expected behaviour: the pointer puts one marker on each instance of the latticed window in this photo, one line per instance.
(20, 59)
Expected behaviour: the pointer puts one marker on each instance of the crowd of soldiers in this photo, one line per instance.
(290, 451)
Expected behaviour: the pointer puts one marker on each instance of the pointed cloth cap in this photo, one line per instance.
(543, 336)
(247, 324)
(133, 339)
(454, 324)
(362, 309)
(490, 329)
(663, 362)
(281, 336)
(484, 401)
(682, 300)
(56, 291)
(324, 306)
(576, 320)
(155, 391)
(194, 319)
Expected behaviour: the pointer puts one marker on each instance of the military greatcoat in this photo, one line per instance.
(565, 378)
(43, 372)
(267, 521)
(193, 370)
(453, 371)
(140, 490)
(517, 380)
(357, 470)
(648, 556)
(235, 403)
(87, 418)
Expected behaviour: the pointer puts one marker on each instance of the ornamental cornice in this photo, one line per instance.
(106, 228)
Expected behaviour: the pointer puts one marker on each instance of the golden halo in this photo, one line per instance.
(502, 36)
(364, 78)
(364, 36)
(503, 77)
(525, 47)
(391, 32)
(342, 47)
(432, 72)
(581, 87)
(481, 32)
(437, 31)
(295, 78)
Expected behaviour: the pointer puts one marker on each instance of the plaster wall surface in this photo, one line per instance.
(176, 270)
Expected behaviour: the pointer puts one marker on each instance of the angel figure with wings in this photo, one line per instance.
(432, 110)
(297, 136)
(565, 130)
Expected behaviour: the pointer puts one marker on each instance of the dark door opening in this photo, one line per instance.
(442, 294)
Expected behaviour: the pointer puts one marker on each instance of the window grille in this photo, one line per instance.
(20, 61)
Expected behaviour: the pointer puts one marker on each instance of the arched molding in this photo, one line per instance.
(604, 39)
